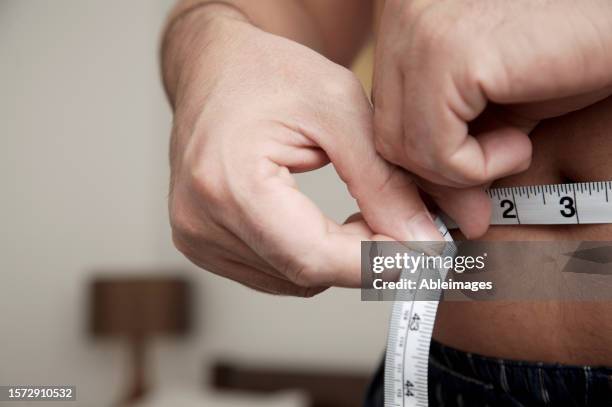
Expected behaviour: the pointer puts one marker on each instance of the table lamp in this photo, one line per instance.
(135, 309)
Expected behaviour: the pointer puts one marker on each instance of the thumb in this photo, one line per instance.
(470, 208)
(386, 194)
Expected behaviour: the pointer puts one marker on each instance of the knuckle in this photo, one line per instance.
(304, 274)
(183, 229)
(186, 228)
(206, 183)
(344, 85)
(524, 165)
(435, 33)
(438, 159)
(180, 243)
(197, 249)
(472, 173)
(354, 87)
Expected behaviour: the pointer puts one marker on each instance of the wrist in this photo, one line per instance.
(190, 37)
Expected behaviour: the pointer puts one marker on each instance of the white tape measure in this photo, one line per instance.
(412, 322)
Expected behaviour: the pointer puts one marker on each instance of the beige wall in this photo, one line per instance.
(363, 67)
(84, 130)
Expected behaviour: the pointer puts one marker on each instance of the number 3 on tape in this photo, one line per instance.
(412, 321)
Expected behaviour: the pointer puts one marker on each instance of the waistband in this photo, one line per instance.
(549, 380)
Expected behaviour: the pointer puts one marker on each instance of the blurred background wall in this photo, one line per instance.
(83, 165)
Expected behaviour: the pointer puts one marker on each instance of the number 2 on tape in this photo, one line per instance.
(412, 321)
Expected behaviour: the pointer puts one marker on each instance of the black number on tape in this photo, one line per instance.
(569, 210)
(509, 207)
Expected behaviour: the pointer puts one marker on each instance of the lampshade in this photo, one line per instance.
(141, 305)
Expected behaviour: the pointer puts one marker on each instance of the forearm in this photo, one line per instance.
(335, 28)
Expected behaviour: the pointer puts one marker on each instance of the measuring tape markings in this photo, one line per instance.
(412, 319)
(560, 204)
(411, 328)
(555, 204)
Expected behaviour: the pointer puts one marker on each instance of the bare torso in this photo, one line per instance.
(562, 331)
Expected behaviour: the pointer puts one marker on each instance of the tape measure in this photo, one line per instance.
(412, 321)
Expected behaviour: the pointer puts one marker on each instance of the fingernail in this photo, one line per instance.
(422, 228)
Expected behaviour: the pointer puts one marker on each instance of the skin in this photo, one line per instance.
(572, 332)
(458, 86)
(239, 132)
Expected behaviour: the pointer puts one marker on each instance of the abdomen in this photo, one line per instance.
(574, 148)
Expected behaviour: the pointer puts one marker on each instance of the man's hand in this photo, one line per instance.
(459, 85)
(251, 109)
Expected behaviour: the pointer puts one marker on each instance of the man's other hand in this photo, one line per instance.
(459, 85)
